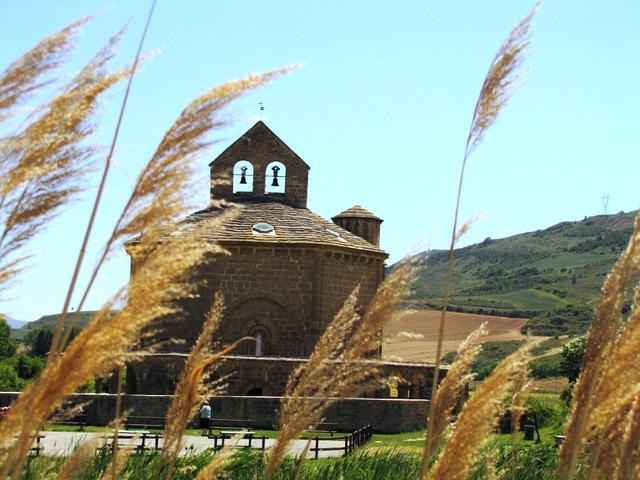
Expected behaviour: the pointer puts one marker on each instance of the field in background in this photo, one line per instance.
(458, 326)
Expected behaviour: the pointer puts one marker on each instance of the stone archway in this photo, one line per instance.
(279, 327)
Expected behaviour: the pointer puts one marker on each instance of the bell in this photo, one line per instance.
(243, 175)
(275, 170)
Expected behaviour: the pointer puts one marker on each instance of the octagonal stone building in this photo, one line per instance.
(288, 274)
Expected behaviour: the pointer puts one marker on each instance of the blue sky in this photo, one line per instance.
(379, 109)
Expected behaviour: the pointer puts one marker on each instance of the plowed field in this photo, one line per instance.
(457, 327)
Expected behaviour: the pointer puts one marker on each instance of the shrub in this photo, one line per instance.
(572, 356)
(9, 380)
(549, 412)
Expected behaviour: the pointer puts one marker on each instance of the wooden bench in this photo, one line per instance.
(325, 427)
(219, 441)
(79, 420)
(137, 421)
(233, 433)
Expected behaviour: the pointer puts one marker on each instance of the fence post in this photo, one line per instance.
(264, 438)
(317, 447)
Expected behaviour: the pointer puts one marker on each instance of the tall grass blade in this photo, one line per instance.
(497, 89)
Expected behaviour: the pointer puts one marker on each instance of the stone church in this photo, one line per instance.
(288, 274)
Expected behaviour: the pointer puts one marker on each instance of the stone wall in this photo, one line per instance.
(288, 295)
(158, 373)
(384, 415)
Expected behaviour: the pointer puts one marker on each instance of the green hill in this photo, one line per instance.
(50, 320)
(535, 274)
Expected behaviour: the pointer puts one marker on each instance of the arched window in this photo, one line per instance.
(261, 345)
(243, 176)
(275, 178)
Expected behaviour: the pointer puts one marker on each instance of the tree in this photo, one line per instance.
(7, 344)
(9, 380)
(27, 366)
(572, 355)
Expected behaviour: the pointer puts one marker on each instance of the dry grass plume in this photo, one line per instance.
(43, 164)
(158, 196)
(27, 75)
(478, 418)
(449, 393)
(497, 89)
(607, 355)
(155, 291)
(191, 386)
(338, 365)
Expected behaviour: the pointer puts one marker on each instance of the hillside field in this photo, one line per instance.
(458, 326)
(554, 272)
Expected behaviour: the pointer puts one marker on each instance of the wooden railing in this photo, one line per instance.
(351, 442)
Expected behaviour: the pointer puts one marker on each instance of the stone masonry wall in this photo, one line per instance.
(268, 376)
(268, 291)
(340, 274)
(384, 415)
(287, 294)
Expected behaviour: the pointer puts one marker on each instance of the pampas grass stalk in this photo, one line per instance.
(449, 392)
(56, 344)
(338, 364)
(27, 75)
(612, 402)
(75, 463)
(158, 194)
(220, 459)
(191, 388)
(630, 454)
(43, 165)
(604, 351)
(478, 418)
(497, 89)
(155, 291)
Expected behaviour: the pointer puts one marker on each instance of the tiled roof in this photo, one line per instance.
(291, 226)
(358, 212)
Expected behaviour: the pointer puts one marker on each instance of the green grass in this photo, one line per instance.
(390, 462)
(531, 299)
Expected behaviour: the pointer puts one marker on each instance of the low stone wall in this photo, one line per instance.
(384, 415)
(158, 374)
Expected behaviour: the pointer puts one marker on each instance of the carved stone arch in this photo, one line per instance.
(156, 380)
(133, 373)
(400, 387)
(261, 294)
(261, 346)
(279, 320)
(418, 385)
(294, 310)
(251, 388)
